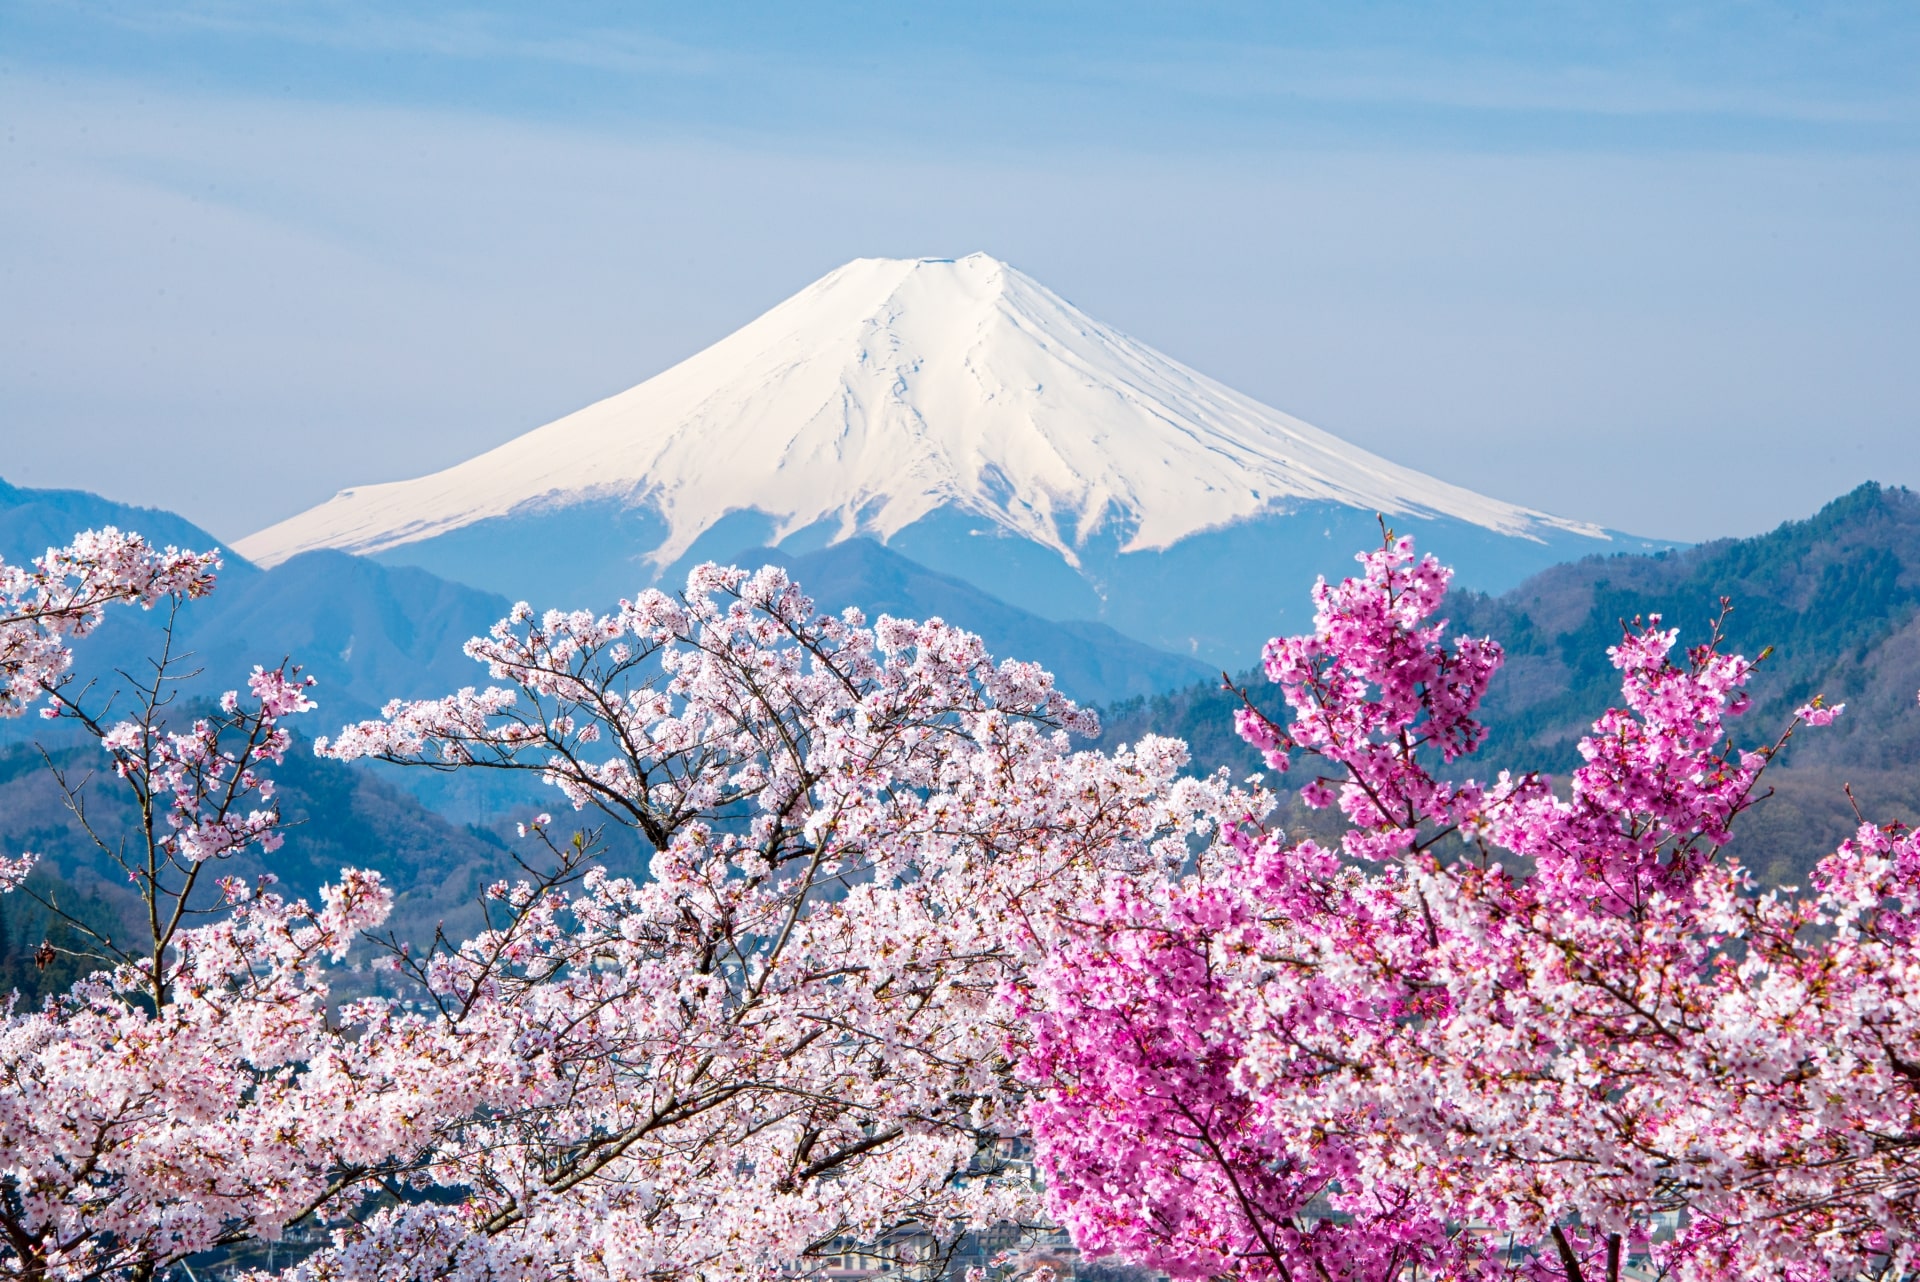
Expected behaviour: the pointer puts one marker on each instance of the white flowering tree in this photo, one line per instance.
(787, 1033)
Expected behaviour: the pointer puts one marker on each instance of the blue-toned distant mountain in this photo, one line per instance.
(969, 419)
(31, 521)
(368, 632)
(1082, 656)
(372, 632)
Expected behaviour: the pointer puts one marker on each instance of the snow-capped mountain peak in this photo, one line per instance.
(892, 388)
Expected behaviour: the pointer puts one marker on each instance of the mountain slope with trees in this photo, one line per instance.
(335, 816)
(1836, 597)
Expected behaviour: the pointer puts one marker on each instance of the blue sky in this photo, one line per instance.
(1653, 265)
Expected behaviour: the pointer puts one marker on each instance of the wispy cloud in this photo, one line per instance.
(468, 34)
(1017, 68)
(1386, 76)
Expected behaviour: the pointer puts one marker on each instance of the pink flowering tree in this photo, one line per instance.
(1507, 1029)
(168, 1104)
(893, 924)
(64, 594)
(788, 1033)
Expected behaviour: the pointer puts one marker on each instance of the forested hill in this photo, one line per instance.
(338, 816)
(1837, 596)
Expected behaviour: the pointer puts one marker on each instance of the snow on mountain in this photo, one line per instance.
(972, 421)
(891, 389)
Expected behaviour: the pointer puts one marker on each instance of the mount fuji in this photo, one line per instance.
(971, 420)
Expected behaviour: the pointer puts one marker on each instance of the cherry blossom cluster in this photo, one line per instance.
(193, 1092)
(132, 1135)
(63, 595)
(789, 1032)
(1507, 1030)
(200, 785)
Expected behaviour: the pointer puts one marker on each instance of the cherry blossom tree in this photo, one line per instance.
(1506, 1029)
(149, 1114)
(63, 595)
(787, 1033)
(166, 1105)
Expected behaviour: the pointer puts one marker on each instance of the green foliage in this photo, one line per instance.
(1201, 714)
(1835, 596)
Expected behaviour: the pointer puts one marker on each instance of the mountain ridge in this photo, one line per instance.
(1081, 656)
(372, 631)
(1836, 595)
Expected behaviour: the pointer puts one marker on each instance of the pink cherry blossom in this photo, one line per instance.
(1817, 714)
(860, 833)
(1508, 1027)
(63, 595)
